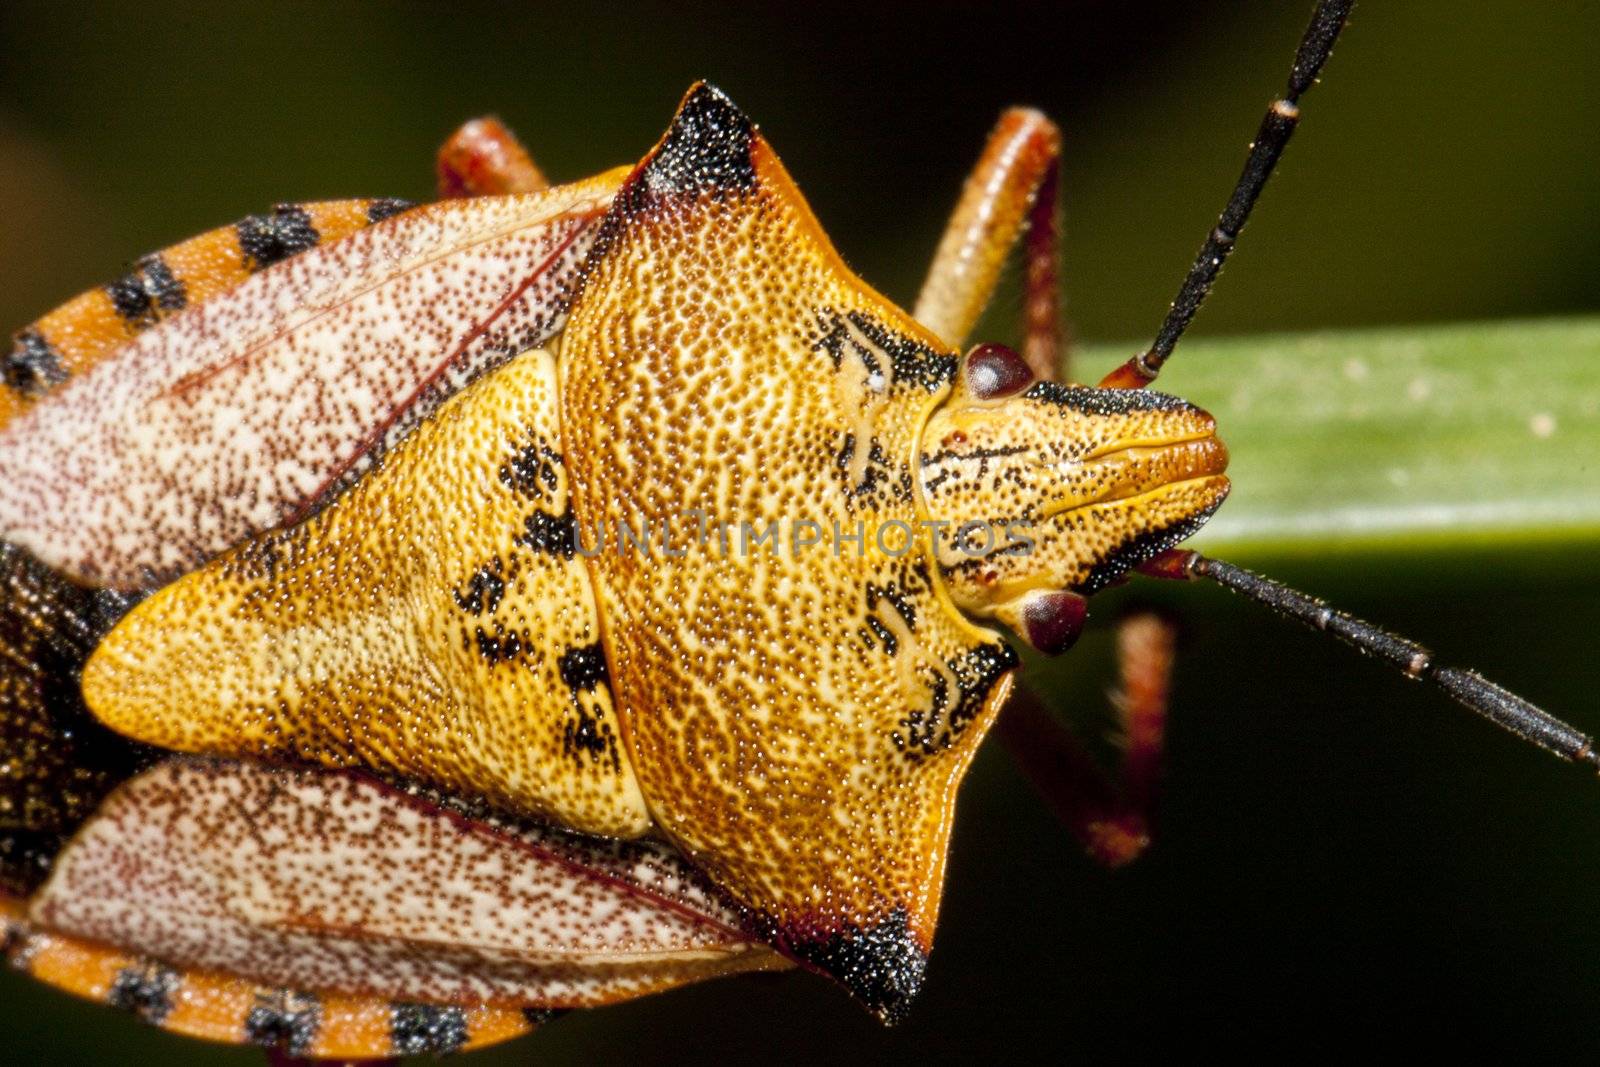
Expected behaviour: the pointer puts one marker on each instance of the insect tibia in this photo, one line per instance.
(1468, 688)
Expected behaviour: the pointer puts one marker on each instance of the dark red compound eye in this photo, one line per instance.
(994, 371)
(1052, 621)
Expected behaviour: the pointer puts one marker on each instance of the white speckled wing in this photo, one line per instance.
(240, 413)
(333, 881)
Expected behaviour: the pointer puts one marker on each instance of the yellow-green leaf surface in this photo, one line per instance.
(1474, 435)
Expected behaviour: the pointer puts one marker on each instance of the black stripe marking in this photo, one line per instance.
(387, 208)
(502, 645)
(284, 1020)
(1094, 401)
(897, 599)
(33, 366)
(555, 535)
(419, 1028)
(583, 667)
(162, 285)
(145, 991)
(585, 733)
(147, 293)
(131, 301)
(533, 470)
(925, 732)
(914, 365)
(484, 589)
(1134, 551)
(268, 239)
(891, 644)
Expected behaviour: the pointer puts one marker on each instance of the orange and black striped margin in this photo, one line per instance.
(216, 1007)
(80, 333)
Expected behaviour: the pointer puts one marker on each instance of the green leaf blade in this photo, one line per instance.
(1417, 438)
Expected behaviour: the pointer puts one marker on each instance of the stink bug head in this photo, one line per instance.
(1048, 489)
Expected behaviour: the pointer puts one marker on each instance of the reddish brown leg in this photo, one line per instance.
(484, 158)
(1112, 818)
(1044, 341)
(1012, 193)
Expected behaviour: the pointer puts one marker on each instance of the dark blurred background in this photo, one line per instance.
(1342, 863)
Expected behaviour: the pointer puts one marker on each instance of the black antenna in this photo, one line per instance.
(1469, 688)
(1276, 128)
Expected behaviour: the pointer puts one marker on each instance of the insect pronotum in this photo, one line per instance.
(421, 620)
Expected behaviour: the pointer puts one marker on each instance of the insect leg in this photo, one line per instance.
(1276, 127)
(1468, 688)
(1011, 193)
(484, 158)
(1146, 644)
(1112, 818)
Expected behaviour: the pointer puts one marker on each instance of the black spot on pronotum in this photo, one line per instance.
(882, 965)
(33, 365)
(145, 991)
(427, 1028)
(267, 239)
(388, 207)
(583, 667)
(284, 1020)
(147, 293)
(706, 150)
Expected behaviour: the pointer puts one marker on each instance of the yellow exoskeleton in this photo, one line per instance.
(421, 619)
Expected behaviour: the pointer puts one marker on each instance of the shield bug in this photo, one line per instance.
(423, 619)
